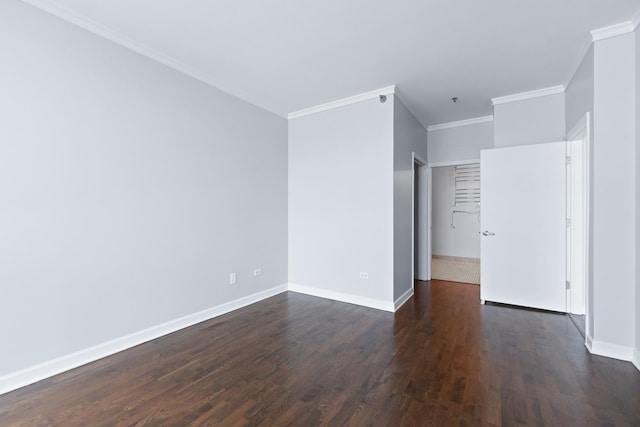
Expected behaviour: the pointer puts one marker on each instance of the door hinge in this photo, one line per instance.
(568, 160)
(568, 223)
(568, 285)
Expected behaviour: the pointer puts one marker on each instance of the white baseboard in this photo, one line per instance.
(606, 349)
(588, 342)
(339, 296)
(50, 368)
(636, 358)
(402, 299)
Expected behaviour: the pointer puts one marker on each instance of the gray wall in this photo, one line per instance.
(579, 101)
(459, 143)
(613, 211)
(341, 202)
(637, 53)
(531, 121)
(579, 92)
(464, 239)
(129, 191)
(409, 137)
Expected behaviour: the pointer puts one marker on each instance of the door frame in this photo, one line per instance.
(424, 264)
(584, 126)
(430, 167)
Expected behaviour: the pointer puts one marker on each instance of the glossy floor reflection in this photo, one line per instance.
(442, 359)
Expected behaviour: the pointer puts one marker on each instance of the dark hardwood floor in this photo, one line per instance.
(443, 359)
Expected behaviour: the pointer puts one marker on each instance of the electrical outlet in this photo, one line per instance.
(257, 272)
(233, 278)
(364, 275)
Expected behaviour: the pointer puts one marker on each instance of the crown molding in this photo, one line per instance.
(613, 30)
(87, 24)
(389, 90)
(602, 34)
(584, 50)
(399, 96)
(449, 125)
(636, 20)
(553, 90)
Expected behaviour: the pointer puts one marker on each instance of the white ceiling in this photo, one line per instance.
(288, 55)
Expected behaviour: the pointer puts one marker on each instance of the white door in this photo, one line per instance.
(523, 226)
(576, 208)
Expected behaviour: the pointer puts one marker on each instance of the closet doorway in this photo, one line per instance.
(455, 221)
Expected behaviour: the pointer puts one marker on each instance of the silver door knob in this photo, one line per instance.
(488, 233)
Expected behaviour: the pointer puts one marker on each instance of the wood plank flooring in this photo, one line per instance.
(442, 360)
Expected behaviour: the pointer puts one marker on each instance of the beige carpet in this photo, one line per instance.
(454, 269)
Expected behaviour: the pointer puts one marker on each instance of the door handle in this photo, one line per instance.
(488, 233)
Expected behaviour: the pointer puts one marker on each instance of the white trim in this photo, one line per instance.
(403, 299)
(582, 124)
(115, 37)
(389, 90)
(636, 22)
(553, 90)
(53, 367)
(419, 159)
(588, 342)
(602, 34)
(584, 50)
(612, 31)
(342, 297)
(606, 349)
(429, 219)
(397, 95)
(467, 122)
(613, 351)
(423, 230)
(453, 163)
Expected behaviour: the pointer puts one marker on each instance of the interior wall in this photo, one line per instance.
(613, 214)
(459, 143)
(579, 101)
(341, 203)
(579, 92)
(409, 137)
(637, 87)
(463, 240)
(531, 121)
(129, 191)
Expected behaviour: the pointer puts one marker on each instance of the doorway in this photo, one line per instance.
(577, 181)
(420, 223)
(454, 221)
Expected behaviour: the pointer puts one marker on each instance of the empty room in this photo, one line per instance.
(407, 213)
